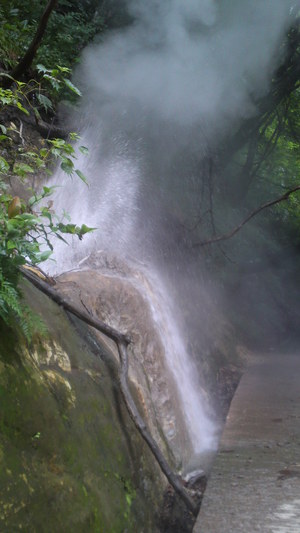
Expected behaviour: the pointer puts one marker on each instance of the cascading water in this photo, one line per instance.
(111, 203)
(159, 95)
(201, 430)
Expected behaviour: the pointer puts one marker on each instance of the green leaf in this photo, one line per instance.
(81, 176)
(30, 155)
(67, 228)
(44, 101)
(67, 166)
(69, 149)
(7, 198)
(3, 129)
(72, 87)
(64, 69)
(19, 105)
(35, 199)
(11, 245)
(85, 229)
(84, 150)
(43, 152)
(74, 136)
(47, 191)
(12, 232)
(37, 113)
(42, 256)
(28, 217)
(45, 213)
(4, 166)
(57, 143)
(56, 152)
(21, 169)
(41, 68)
(53, 81)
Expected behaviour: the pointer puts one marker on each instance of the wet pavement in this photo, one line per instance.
(254, 484)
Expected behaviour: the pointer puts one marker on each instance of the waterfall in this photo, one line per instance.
(112, 203)
(201, 429)
(159, 95)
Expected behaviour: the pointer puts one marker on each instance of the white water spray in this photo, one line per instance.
(159, 94)
(112, 205)
(201, 429)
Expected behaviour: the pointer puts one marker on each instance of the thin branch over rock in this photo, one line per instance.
(122, 342)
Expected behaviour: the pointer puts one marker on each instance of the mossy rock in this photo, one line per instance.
(70, 458)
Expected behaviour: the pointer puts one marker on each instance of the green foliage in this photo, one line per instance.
(277, 164)
(71, 26)
(58, 84)
(13, 310)
(27, 228)
(267, 167)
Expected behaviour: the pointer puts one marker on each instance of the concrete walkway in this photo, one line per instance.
(255, 480)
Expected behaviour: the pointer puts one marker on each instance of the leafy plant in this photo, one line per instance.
(276, 166)
(58, 81)
(27, 227)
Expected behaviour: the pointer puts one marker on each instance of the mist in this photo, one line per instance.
(189, 62)
(159, 96)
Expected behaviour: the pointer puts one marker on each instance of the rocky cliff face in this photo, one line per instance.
(118, 300)
(71, 459)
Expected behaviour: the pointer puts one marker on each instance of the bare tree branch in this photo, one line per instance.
(256, 211)
(122, 342)
(173, 479)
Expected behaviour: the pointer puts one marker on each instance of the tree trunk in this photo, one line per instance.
(26, 61)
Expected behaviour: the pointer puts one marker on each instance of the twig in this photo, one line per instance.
(68, 306)
(174, 480)
(227, 236)
(20, 132)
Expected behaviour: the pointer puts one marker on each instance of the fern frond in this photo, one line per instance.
(31, 323)
(9, 298)
(15, 312)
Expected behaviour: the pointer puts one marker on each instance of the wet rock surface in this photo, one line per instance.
(175, 517)
(67, 444)
(255, 480)
(118, 296)
(71, 459)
